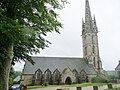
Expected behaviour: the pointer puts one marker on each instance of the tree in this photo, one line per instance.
(13, 74)
(23, 25)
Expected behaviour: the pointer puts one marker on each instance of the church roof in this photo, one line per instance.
(111, 73)
(60, 63)
(118, 67)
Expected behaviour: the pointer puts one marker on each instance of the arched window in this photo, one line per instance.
(99, 64)
(85, 50)
(75, 73)
(47, 74)
(93, 49)
(83, 76)
(56, 74)
(94, 62)
(92, 39)
(56, 77)
(38, 74)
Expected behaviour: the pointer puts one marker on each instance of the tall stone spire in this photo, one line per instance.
(90, 39)
(87, 12)
(88, 18)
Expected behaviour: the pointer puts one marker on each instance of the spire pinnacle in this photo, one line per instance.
(82, 21)
(87, 11)
(94, 19)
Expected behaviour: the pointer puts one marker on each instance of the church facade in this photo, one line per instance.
(68, 70)
(57, 70)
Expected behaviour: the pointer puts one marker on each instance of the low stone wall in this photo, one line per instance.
(101, 87)
(67, 88)
(87, 88)
(115, 85)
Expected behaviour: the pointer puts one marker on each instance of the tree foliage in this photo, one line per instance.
(13, 75)
(25, 23)
(23, 26)
(99, 79)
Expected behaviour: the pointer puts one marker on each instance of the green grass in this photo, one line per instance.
(86, 84)
(90, 84)
(39, 86)
(72, 85)
(113, 89)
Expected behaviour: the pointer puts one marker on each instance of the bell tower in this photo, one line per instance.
(90, 39)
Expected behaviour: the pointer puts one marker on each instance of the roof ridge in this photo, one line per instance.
(56, 57)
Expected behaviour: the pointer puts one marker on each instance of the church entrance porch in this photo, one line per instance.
(68, 80)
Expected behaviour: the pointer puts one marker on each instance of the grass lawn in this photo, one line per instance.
(87, 84)
(40, 86)
(72, 85)
(113, 89)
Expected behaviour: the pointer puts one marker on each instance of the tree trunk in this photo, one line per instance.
(5, 67)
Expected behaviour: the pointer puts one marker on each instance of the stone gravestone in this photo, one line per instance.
(79, 88)
(110, 86)
(95, 87)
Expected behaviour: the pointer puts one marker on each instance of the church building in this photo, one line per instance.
(68, 70)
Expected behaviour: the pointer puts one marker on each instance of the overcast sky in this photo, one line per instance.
(69, 42)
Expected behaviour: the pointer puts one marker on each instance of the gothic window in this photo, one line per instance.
(47, 74)
(75, 72)
(92, 39)
(99, 64)
(56, 74)
(94, 62)
(93, 49)
(83, 76)
(38, 74)
(56, 77)
(85, 50)
(76, 75)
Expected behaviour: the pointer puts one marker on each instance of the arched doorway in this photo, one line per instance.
(68, 80)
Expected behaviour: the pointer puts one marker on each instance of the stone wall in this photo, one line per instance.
(26, 79)
(66, 77)
(101, 87)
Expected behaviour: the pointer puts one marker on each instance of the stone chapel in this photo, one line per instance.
(68, 70)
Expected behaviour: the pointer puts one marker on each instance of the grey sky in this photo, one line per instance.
(69, 42)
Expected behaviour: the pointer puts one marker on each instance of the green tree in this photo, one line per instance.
(13, 74)
(99, 79)
(23, 25)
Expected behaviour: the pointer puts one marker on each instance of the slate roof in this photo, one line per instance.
(118, 67)
(112, 73)
(60, 63)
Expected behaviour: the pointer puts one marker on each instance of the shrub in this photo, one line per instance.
(46, 83)
(99, 79)
(112, 78)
